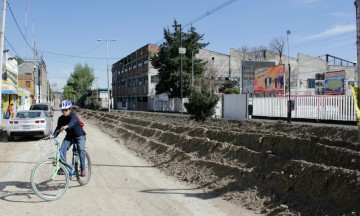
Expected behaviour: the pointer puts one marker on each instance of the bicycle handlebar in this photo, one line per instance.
(57, 142)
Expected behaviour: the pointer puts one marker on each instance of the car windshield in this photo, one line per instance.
(28, 114)
(39, 107)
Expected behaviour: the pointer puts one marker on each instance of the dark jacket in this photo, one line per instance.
(74, 128)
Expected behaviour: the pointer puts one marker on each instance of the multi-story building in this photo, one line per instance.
(41, 78)
(27, 81)
(134, 79)
(39, 85)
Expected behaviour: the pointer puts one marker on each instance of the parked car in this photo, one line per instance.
(48, 108)
(29, 123)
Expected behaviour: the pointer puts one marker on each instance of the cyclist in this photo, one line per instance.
(69, 122)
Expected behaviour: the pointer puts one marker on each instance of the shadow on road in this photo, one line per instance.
(186, 192)
(19, 162)
(17, 191)
(111, 165)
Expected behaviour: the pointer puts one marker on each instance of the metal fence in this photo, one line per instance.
(339, 108)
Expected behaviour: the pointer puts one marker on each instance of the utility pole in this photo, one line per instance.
(357, 4)
(181, 70)
(107, 69)
(38, 75)
(1, 54)
(181, 52)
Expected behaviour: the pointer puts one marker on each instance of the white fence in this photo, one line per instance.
(169, 105)
(235, 106)
(339, 108)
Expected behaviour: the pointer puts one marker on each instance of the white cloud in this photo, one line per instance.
(334, 31)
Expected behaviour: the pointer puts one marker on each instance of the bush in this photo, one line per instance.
(95, 105)
(201, 104)
(234, 90)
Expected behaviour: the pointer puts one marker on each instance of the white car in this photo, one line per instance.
(49, 109)
(29, 123)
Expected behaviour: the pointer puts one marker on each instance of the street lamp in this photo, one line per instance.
(288, 32)
(107, 68)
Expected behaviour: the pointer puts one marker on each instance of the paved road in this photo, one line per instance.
(121, 184)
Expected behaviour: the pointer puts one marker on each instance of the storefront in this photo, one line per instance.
(8, 96)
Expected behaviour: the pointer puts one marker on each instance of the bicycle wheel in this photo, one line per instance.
(83, 180)
(46, 187)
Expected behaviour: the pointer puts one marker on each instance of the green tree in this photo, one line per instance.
(79, 84)
(167, 61)
(68, 93)
(19, 60)
(202, 102)
(230, 87)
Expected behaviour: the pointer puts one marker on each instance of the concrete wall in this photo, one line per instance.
(217, 64)
(309, 66)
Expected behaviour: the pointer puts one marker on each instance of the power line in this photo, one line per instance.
(12, 14)
(208, 13)
(74, 56)
(8, 42)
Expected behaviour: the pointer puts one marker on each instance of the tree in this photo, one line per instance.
(19, 60)
(167, 61)
(230, 87)
(277, 46)
(202, 102)
(68, 93)
(79, 83)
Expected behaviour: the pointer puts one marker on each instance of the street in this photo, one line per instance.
(121, 184)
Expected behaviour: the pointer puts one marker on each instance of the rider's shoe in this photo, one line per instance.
(60, 172)
(83, 173)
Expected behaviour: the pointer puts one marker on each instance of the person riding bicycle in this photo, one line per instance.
(69, 122)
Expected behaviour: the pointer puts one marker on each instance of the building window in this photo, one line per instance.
(311, 83)
(28, 84)
(155, 79)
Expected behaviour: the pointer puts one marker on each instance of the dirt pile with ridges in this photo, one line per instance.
(311, 170)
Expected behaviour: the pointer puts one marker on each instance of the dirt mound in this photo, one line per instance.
(268, 167)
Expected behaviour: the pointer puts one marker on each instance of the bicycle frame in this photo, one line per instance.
(69, 168)
(45, 180)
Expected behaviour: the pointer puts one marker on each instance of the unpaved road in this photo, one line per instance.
(121, 184)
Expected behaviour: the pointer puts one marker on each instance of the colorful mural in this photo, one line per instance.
(269, 79)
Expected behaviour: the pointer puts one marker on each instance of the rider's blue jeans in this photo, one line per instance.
(68, 142)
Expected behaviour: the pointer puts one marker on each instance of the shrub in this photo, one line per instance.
(201, 104)
(95, 105)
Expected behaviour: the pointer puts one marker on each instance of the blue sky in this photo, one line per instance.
(66, 32)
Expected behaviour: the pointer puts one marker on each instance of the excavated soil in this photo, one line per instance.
(271, 168)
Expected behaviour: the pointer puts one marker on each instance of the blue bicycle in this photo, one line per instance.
(50, 178)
